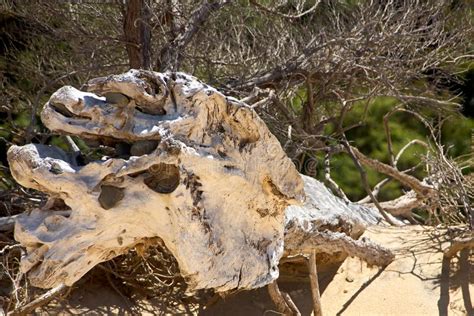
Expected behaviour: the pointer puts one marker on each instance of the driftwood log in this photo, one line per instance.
(195, 168)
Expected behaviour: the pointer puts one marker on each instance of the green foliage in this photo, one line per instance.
(457, 133)
(371, 139)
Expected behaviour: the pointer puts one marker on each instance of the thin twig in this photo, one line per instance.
(287, 16)
(280, 301)
(40, 301)
(313, 278)
(365, 182)
(329, 181)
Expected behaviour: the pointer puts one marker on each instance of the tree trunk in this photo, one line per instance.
(137, 33)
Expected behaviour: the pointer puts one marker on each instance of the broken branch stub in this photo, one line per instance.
(195, 168)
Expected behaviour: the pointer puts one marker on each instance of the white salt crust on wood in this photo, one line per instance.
(218, 189)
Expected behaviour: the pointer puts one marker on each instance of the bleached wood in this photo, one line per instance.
(225, 218)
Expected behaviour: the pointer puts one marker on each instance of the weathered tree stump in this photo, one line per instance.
(195, 168)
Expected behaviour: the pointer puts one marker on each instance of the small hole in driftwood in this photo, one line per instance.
(163, 178)
(143, 147)
(61, 109)
(116, 98)
(122, 150)
(151, 110)
(110, 196)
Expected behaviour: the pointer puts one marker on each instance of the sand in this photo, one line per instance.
(418, 282)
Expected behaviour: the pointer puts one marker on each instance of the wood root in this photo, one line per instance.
(299, 241)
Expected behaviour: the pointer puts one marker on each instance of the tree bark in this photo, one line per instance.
(137, 33)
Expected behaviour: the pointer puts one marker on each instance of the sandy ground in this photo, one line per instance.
(418, 282)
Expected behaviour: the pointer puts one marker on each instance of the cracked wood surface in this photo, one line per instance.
(193, 167)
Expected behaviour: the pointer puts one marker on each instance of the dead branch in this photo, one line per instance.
(408, 180)
(289, 301)
(365, 182)
(376, 190)
(288, 71)
(282, 301)
(313, 277)
(40, 301)
(287, 16)
(404, 148)
(459, 244)
(172, 53)
(403, 205)
(332, 242)
(380, 185)
(429, 101)
(329, 181)
(8, 248)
